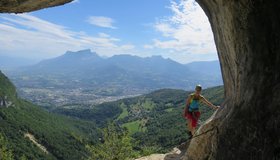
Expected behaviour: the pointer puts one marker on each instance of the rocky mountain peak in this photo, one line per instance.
(81, 53)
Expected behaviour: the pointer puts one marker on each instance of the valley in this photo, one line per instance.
(85, 78)
(153, 121)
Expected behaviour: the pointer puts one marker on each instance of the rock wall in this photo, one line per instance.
(4, 102)
(247, 36)
(20, 6)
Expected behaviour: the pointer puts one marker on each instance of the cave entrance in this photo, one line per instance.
(247, 36)
(184, 36)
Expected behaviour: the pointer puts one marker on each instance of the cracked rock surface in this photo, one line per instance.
(20, 6)
(247, 36)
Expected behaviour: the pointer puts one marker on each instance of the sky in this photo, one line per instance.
(175, 29)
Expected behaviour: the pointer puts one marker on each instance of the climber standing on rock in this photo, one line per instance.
(191, 112)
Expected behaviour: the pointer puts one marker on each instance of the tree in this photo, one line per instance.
(5, 154)
(115, 145)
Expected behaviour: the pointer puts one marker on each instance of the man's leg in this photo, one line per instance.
(193, 130)
(190, 128)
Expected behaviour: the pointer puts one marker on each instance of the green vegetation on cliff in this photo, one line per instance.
(154, 119)
(63, 137)
(116, 145)
(4, 152)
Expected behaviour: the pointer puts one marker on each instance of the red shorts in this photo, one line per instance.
(193, 117)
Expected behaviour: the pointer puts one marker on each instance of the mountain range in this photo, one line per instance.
(119, 75)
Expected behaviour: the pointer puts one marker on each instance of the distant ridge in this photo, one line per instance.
(76, 75)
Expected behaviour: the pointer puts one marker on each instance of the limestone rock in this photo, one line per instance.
(247, 36)
(203, 142)
(4, 102)
(176, 154)
(20, 6)
(153, 157)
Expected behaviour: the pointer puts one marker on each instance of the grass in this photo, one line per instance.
(149, 105)
(124, 112)
(134, 126)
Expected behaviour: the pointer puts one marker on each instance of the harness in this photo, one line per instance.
(194, 103)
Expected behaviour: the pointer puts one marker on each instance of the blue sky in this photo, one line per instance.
(175, 29)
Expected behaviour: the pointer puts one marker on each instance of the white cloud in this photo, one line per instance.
(101, 21)
(127, 47)
(104, 35)
(186, 31)
(28, 36)
(166, 29)
(148, 46)
(75, 1)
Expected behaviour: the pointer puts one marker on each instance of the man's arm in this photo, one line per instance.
(205, 101)
(187, 106)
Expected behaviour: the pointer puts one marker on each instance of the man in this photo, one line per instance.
(192, 113)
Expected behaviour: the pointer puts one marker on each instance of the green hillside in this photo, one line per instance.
(7, 89)
(157, 117)
(154, 119)
(64, 138)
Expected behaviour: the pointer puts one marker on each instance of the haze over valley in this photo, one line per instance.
(84, 77)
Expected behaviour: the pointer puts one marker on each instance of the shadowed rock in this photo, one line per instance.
(247, 36)
(20, 6)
